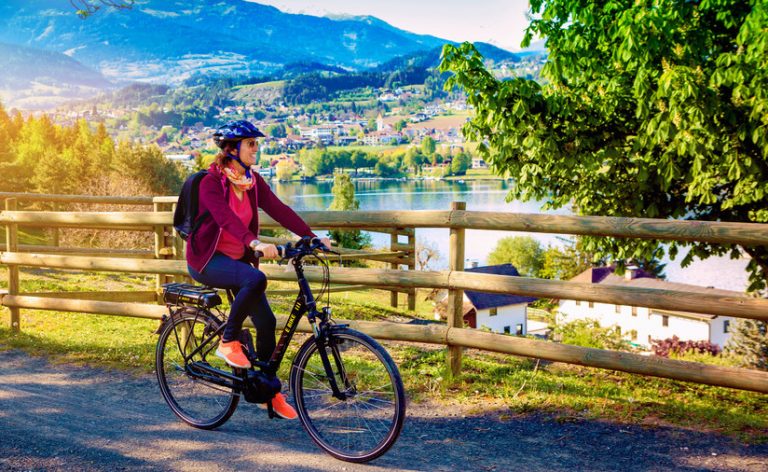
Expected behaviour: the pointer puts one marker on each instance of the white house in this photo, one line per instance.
(479, 163)
(642, 324)
(319, 134)
(187, 160)
(500, 313)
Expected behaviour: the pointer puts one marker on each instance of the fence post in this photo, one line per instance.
(394, 265)
(12, 245)
(455, 306)
(162, 246)
(412, 266)
(56, 207)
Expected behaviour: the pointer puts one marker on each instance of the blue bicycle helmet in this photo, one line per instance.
(235, 131)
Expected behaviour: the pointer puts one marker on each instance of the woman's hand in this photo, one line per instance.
(326, 242)
(269, 250)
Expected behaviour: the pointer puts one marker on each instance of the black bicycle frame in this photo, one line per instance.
(304, 304)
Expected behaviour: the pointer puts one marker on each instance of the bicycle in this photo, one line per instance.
(347, 390)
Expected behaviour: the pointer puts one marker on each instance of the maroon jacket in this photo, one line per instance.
(214, 197)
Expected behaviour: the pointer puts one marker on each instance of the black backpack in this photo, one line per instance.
(185, 218)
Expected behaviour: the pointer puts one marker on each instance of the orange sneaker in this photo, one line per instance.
(232, 353)
(282, 408)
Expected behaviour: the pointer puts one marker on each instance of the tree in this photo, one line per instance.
(148, 166)
(342, 160)
(428, 146)
(284, 170)
(566, 262)
(749, 342)
(400, 125)
(523, 252)
(360, 159)
(311, 162)
(344, 199)
(343, 193)
(6, 135)
(460, 163)
(86, 8)
(276, 130)
(653, 109)
(414, 159)
(384, 169)
(426, 252)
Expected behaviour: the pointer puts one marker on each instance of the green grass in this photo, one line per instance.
(514, 385)
(503, 384)
(274, 83)
(475, 174)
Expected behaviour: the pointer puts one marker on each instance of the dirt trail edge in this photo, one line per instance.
(63, 417)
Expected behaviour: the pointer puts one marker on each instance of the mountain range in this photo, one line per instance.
(33, 78)
(167, 41)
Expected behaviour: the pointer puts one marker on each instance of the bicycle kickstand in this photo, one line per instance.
(271, 411)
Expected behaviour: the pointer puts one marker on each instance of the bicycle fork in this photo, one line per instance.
(306, 302)
(322, 342)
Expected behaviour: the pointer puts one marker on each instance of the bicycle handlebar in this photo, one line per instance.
(302, 247)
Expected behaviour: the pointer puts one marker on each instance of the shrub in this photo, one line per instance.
(589, 333)
(673, 345)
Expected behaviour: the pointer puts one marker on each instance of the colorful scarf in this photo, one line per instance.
(240, 181)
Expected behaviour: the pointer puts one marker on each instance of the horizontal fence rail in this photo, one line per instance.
(744, 307)
(748, 234)
(91, 199)
(743, 379)
(165, 262)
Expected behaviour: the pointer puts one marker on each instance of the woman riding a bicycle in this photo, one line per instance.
(221, 251)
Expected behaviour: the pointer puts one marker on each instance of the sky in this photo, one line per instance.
(499, 22)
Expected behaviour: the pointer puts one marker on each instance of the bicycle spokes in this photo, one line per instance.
(350, 400)
(192, 382)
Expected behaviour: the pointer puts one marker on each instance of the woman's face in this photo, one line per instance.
(248, 148)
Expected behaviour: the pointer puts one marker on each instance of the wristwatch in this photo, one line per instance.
(253, 244)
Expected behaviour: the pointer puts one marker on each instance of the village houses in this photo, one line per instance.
(499, 313)
(641, 325)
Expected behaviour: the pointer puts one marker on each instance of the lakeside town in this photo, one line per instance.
(290, 130)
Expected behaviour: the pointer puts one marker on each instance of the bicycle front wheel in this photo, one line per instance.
(183, 370)
(364, 421)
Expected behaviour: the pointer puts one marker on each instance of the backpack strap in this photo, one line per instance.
(195, 204)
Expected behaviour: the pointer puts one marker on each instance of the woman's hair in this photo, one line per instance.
(223, 157)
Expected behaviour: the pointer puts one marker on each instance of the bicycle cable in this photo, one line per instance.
(325, 283)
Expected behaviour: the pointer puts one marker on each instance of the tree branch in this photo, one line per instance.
(86, 8)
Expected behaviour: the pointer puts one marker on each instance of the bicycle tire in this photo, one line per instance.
(363, 426)
(198, 403)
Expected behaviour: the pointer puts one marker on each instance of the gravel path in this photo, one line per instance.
(63, 417)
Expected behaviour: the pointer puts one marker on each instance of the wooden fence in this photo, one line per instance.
(165, 263)
(167, 245)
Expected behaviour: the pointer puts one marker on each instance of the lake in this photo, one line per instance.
(480, 195)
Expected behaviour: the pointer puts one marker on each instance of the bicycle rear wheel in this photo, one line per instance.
(367, 421)
(195, 400)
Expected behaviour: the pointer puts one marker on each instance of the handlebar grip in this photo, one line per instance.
(258, 254)
(316, 243)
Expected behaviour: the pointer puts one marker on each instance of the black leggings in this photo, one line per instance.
(249, 285)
